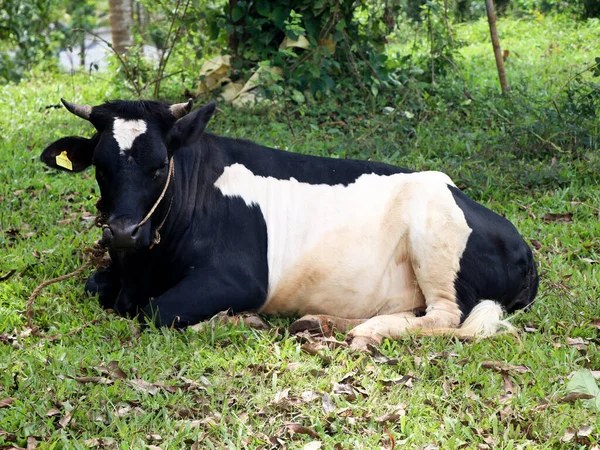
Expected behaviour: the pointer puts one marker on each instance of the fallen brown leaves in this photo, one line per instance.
(296, 428)
(115, 373)
(573, 396)
(505, 370)
(580, 436)
(500, 367)
(565, 217)
(6, 402)
(249, 320)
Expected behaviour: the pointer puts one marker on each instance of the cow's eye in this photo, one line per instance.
(156, 173)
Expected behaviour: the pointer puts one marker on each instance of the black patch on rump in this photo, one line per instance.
(497, 264)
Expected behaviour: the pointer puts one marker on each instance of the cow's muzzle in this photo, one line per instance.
(125, 236)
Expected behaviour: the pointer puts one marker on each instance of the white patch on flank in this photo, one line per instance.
(125, 132)
(376, 246)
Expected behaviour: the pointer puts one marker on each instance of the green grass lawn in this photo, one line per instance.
(235, 387)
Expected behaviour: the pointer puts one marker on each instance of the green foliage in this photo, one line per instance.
(583, 382)
(340, 39)
(33, 31)
(28, 34)
(582, 9)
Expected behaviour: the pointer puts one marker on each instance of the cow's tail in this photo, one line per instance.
(483, 321)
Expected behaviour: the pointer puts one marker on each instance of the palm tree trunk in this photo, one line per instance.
(121, 20)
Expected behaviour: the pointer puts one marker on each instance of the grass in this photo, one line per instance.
(235, 393)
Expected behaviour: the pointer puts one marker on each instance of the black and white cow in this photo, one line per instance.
(250, 228)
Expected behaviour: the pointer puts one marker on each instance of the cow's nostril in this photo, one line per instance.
(122, 235)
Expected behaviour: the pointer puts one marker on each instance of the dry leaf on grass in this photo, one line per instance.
(105, 443)
(144, 386)
(7, 275)
(309, 396)
(296, 428)
(391, 417)
(501, 367)
(314, 348)
(344, 389)
(569, 435)
(558, 217)
(154, 437)
(314, 445)
(93, 380)
(400, 381)
(578, 343)
(6, 402)
(328, 406)
(65, 420)
(53, 412)
(281, 396)
(114, 371)
(379, 357)
(509, 387)
(573, 396)
(7, 436)
(333, 343)
(595, 323)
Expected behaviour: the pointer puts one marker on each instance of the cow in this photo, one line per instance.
(197, 223)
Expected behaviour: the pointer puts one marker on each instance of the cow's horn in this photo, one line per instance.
(181, 109)
(83, 111)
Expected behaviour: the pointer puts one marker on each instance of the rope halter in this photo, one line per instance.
(156, 239)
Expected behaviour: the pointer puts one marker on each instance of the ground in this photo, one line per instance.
(231, 386)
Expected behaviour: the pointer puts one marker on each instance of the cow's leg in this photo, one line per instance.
(203, 293)
(106, 285)
(134, 281)
(131, 299)
(394, 326)
(324, 324)
(436, 239)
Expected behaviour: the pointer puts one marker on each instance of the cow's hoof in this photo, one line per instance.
(362, 343)
(312, 324)
(363, 339)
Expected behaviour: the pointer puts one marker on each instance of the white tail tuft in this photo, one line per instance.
(485, 320)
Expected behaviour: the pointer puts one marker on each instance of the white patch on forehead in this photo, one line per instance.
(125, 132)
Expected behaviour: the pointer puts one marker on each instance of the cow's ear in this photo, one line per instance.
(72, 154)
(188, 129)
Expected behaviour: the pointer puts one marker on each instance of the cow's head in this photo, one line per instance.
(130, 151)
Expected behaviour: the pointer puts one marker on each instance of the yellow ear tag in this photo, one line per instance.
(63, 160)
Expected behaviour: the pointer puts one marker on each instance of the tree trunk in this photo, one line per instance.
(233, 39)
(120, 24)
(489, 6)
(82, 51)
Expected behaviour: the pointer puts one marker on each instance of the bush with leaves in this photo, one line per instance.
(28, 33)
(316, 43)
